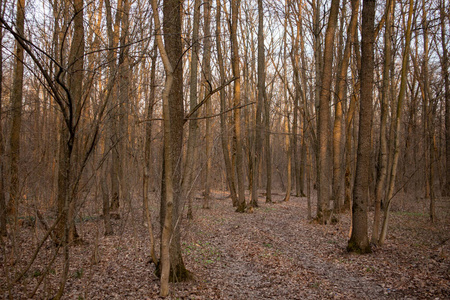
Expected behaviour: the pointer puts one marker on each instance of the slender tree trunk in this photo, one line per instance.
(105, 202)
(148, 151)
(123, 93)
(235, 4)
(207, 85)
(383, 155)
(168, 195)
(401, 97)
(261, 91)
(173, 47)
(66, 182)
(429, 112)
(224, 136)
(445, 74)
(193, 124)
(3, 230)
(267, 149)
(323, 212)
(286, 113)
(359, 241)
(338, 119)
(113, 42)
(16, 103)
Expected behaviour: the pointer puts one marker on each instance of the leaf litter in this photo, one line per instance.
(272, 253)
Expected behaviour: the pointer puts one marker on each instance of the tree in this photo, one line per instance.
(147, 150)
(359, 241)
(16, 100)
(173, 115)
(224, 136)
(235, 4)
(167, 229)
(3, 214)
(193, 124)
(341, 90)
(208, 108)
(445, 74)
(259, 104)
(383, 155)
(397, 124)
(323, 213)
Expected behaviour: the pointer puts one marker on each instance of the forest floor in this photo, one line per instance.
(273, 253)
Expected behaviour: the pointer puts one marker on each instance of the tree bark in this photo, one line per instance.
(383, 152)
(113, 42)
(167, 229)
(207, 85)
(445, 74)
(338, 119)
(359, 241)
(3, 218)
(401, 96)
(193, 124)
(224, 136)
(174, 50)
(323, 200)
(148, 151)
(235, 4)
(261, 91)
(16, 103)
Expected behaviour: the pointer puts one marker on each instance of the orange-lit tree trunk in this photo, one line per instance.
(324, 193)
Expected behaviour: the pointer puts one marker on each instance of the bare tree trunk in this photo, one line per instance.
(338, 120)
(168, 201)
(267, 149)
(286, 112)
(359, 241)
(16, 103)
(124, 89)
(193, 124)
(207, 85)
(401, 97)
(323, 199)
(446, 97)
(226, 149)
(235, 4)
(105, 202)
(148, 152)
(113, 42)
(66, 183)
(173, 47)
(383, 155)
(429, 112)
(3, 230)
(261, 92)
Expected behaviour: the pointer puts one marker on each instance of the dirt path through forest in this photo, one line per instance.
(273, 254)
